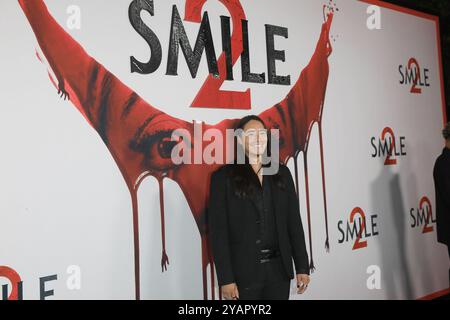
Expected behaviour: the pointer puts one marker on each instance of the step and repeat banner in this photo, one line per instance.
(92, 207)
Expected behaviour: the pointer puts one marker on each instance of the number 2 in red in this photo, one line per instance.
(210, 94)
(389, 159)
(414, 88)
(427, 226)
(358, 243)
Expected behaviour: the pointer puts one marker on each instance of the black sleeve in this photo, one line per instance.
(444, 181)
(218, 228)
(295, 227)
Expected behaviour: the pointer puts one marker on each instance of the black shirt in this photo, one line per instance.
(267, 225)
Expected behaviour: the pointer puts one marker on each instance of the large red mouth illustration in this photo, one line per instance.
(138, 135)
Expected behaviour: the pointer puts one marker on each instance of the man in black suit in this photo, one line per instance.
(442, 186)
(255, 226)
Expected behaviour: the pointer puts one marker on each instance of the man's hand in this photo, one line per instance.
(302, 282)
(230, 291)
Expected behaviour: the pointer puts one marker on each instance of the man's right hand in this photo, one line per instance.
(230, 291)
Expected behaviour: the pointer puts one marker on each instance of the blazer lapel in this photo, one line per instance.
(254, 199)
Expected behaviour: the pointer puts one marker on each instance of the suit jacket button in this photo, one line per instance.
(258, 241)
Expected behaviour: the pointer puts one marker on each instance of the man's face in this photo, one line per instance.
(255, 139)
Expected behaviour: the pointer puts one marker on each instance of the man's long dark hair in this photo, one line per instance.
(245, 179)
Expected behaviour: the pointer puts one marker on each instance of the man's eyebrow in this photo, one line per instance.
(254, 130)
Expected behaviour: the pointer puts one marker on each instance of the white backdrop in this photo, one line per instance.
(64, 201)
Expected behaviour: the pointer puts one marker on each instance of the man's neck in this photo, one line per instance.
(447, 144)
(257, 165)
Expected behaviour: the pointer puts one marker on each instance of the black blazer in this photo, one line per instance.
(441, 175)
(233, 228)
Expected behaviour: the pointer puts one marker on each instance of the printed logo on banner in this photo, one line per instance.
(413, 76)
(422, 217)
(358, 228)
(234, 46)
(15, 285)
(388, 146)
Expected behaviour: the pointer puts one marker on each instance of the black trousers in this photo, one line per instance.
(271, 283)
